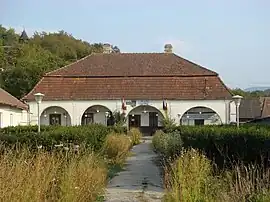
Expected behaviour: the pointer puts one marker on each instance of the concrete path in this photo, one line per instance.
(141, 179)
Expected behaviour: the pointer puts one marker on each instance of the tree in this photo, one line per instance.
(24, 64)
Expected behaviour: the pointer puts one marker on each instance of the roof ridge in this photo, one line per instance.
(195, 64)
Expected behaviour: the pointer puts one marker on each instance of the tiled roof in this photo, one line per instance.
(60, 88)
(132, 64)
(266, 107)
(250, 108)
(8, 99)
(134, 76)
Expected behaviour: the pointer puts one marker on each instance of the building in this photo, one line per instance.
(146, 87)
(254, 110)
(13, 112)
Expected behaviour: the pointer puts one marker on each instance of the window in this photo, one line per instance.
(11, 120)
(55, 119)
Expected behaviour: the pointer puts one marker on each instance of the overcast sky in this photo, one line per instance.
(230, 37)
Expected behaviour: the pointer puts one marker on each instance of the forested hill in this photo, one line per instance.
(23, 60)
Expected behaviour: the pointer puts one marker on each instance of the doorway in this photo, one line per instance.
(199, 122)
(134, 121)
(55, 119)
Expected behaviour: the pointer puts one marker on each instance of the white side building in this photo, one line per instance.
(13, 112)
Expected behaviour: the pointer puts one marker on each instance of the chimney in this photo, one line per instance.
(168, 48)
(107, 48)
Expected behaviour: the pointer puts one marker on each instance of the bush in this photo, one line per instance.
(116, 148)
(135, 135)
(169, 145)
(227, 144)
(92, 136)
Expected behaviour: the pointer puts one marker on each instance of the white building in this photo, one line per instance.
(145, 86)
(12, 111)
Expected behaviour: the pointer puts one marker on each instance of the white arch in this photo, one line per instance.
(52, 113)
(203, 113)
(143, 114)
(99, 113)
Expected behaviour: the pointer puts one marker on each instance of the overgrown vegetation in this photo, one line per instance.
(135, 136)
(60, 163)
(215, 163)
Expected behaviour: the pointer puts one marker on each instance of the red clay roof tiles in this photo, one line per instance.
(8, 99)
(133, 76)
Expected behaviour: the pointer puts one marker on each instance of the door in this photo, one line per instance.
(153, 122)
(153, 119)
(55, 119)
(134, 121)
(88, 118)
(199, 122)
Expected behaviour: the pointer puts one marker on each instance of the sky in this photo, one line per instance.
(230, 37)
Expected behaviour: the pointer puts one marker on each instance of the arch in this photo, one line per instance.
(97, 114)
(145, 117)
(200, 115)
(55, 115)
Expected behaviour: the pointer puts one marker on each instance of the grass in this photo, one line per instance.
(192, 177)
(51, 176)
(61, 174)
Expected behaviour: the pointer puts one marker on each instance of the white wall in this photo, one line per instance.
(176, 108)
(11, 116)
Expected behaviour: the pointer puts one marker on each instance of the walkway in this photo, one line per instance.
(141, 180)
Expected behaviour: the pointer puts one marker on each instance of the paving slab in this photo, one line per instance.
(141, 179)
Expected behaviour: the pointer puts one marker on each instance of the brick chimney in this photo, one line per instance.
(168, 48)
(107, 48)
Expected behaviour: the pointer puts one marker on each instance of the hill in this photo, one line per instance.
(24, 60)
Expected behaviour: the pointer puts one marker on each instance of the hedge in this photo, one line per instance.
(228, 144)
(91, 136)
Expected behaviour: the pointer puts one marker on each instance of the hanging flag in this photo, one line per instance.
(164, 105)
(124, 107)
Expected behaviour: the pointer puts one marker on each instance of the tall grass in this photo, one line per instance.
(135, 136)
(192, 178)
(50, 176)
(116, 148)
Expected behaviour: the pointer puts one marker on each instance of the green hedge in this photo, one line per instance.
(227, 144)
(91, 136)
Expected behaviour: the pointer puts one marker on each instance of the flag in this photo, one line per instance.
(124, 107)
(164, 105)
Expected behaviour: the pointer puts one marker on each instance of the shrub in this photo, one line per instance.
(116, 148)
(227, 144)
(169, 144)
(92, 136)
(50, 176)
(135, 136)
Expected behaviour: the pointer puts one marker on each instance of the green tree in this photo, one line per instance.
(24, 64)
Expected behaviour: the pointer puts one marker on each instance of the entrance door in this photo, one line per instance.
(153, 119)
(134, 121)
(199, 122)
(55, 119)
